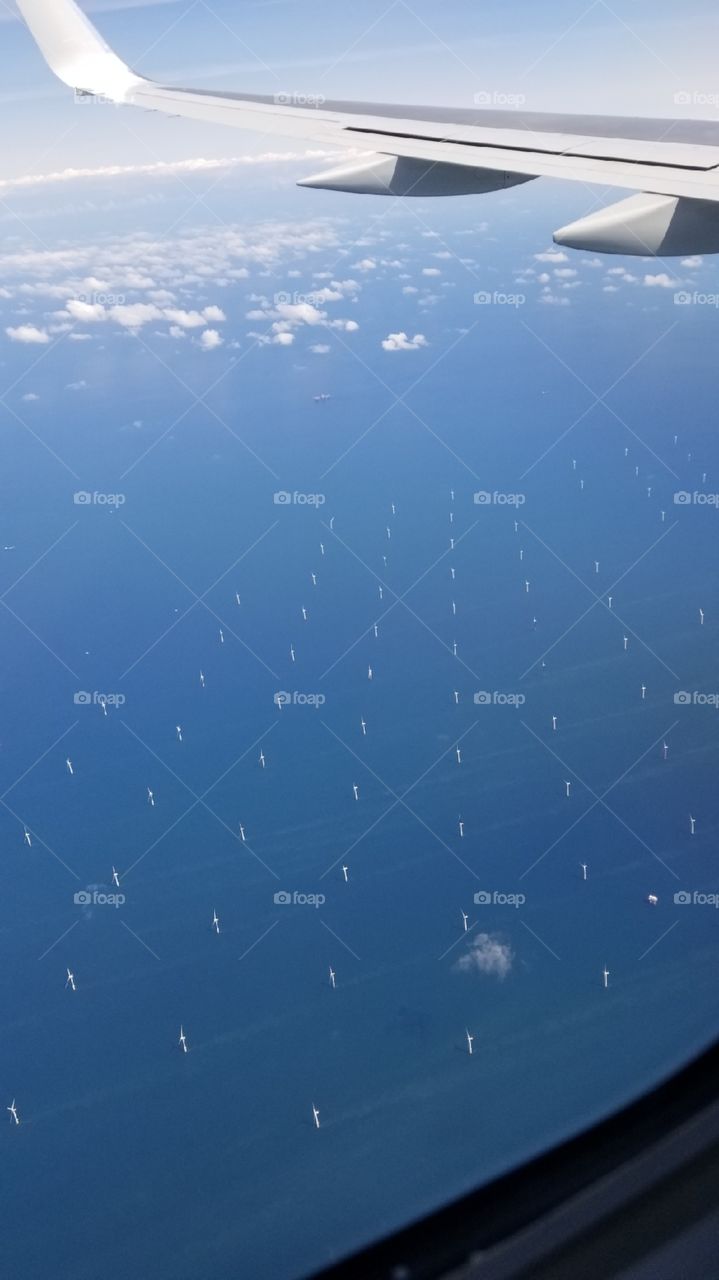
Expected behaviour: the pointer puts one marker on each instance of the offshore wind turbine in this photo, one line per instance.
(13, 1112)
(470, 1042)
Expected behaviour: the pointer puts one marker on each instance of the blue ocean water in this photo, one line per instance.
(139, 1159)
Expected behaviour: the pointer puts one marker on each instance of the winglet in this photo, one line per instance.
(75, 51)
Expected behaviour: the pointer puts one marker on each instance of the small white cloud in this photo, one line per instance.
(431, 271)
(30, 396)
(400, 342)
(661, 281)
(486, 954)
(28, 333)
(552, 255)
(210, 340)
(76, 386)
(693, 262)
(284, 339)
(320, 349)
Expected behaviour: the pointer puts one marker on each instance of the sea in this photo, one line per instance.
(478, 501)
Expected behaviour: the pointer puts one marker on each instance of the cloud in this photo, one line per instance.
(76, 386)
(400, 342)
(164, 168)
(320, 349)
(194, 319)
(28, 333)
(661, 281)
(431, 271)
(486, 954)
(693, 262)
(552, 255)
(210, 340)
(30, 396)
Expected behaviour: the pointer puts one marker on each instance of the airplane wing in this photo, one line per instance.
(673, 165)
